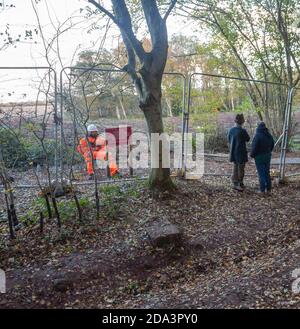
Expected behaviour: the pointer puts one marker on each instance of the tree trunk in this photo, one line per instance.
(169, 105)
(99, 112)
(149, 78)
(232, 103)
(118, 112)
(116, 98)
(159, 178)
(123, 107)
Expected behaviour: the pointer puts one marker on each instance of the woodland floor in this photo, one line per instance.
(239, 250)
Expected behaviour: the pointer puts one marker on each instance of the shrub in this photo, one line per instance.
(12, 150)
(113, 197)
(215, 135)
(20, 152)
(67, 210)
(216, 140)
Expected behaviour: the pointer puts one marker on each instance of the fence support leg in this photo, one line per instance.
(285, 134)
(130, 160)
(184, 146)
(107, 166)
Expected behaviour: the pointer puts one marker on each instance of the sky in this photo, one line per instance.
(52, 13)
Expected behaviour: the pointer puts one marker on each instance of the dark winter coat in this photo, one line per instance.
(262, 144)
(237, 139)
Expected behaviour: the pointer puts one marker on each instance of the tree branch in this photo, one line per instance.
(125, 25)
(105, 11)
(156, 25)
(234, 49)
(171, 7)
(122, 19)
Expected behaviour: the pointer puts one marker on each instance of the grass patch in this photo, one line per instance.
(114, 197)
(67, 210)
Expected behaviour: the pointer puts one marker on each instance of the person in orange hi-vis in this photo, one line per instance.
(95, 146)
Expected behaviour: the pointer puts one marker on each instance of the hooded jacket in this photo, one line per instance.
(263, 142)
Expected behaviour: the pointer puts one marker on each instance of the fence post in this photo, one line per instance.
(61, 98)
(186, 122)
(185, 115)
(285, 133)
(56, 122)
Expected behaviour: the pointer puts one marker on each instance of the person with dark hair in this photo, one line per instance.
(261, 151)
(237, 139)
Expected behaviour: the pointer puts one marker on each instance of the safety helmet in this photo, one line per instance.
(91, 128)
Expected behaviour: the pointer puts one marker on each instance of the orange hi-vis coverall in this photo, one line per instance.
(96, 146)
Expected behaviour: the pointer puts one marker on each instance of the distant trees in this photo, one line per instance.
(264, 38)
(108, 94)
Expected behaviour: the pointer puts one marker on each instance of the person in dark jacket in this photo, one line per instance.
(237, 139)
(262, 147)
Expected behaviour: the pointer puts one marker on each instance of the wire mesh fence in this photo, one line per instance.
(295, 137)
(28, 133)
(28, 127)
(39, 145)
(42, 126)
(107, 98)
(214, 100)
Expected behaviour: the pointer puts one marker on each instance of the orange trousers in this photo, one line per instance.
(102, 156)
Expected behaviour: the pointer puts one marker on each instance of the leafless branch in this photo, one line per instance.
(172, 5)
(104, 10)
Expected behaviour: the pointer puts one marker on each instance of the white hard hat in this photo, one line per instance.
(91, 128)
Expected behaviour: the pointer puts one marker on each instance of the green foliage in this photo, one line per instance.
(132, 287)
(215, 136)
(66, 208)
(216, 140)
(112, 197)
(244, 106)
(21, 152)
(250, 42)
(201, 119)
(294, 145)
(172, 87)
(13, 152)
(111, 191)
(34, 151)
(102, 94)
